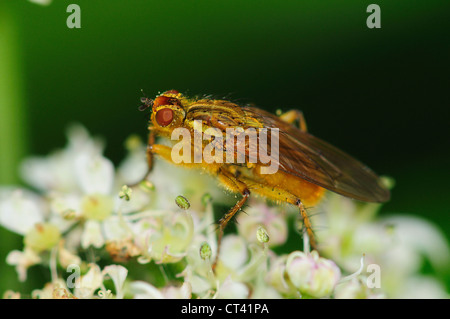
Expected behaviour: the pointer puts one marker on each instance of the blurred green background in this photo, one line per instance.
(382, 95)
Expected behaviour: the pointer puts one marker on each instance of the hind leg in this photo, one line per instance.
(280, 195)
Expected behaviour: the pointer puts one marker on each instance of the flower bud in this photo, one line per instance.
(312, 275)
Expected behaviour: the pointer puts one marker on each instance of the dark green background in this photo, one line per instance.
(380, 94)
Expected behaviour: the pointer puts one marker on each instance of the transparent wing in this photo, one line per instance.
(308, 157)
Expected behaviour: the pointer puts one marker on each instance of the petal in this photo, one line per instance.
(20, 210)
(66, 257)
(230, 289)
(89, 283)
(183, 292)
(52, 172)
(144, 290)
(421, 236)
(95, 174)
(170, 243)
(260, 215)
(134, 167)
(116, 228)
(92, 235)
(22, 261)
(118, 274)
(233, 252)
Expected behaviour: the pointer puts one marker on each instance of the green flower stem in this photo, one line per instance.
(12, 122)
(12, 132)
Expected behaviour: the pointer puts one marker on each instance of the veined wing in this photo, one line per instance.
(308, 157)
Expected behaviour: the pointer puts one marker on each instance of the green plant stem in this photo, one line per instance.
(12, 132)
(12, 119)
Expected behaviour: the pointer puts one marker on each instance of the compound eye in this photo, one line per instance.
(164, 117)
(165, 100)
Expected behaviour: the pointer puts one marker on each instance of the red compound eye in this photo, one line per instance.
(165, 100)
(162, 100)
(164, 117)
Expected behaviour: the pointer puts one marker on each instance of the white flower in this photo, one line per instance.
(91, 285)
(239, 265)
(412, 241)
(234, 252)
(66, 257)
(20, 210)
(163, 235)
(144, 290)
(239, 259)
(22, 261)
(42, 237)
(87, 285)
(92, 235)
(312, 275)
(423, 287)
(85, 204)
(53, 290)
(420, 236)
(81, 185)
(56, 172)
(231, 289)
(276, 275)
(95, 173)
(398, 244)
(118, 274)
(198, 272)
(273, 221)
(182, 292)
(356, 288)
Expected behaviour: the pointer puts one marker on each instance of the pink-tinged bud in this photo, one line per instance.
(312, 275)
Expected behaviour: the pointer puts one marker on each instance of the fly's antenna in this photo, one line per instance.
(146, 102)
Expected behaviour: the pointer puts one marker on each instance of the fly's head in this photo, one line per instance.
(167, 112)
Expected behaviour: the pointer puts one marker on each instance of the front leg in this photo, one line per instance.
(149, 154)
(165, 152)
(150, 143)
(161, 150)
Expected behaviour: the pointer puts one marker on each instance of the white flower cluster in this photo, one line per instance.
(83, 215)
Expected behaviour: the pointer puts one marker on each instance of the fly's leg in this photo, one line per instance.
(227, 178)
(149, 154)
(235, 185)
(281, 195)
(307, 224)
(295, 115)
(150, 143)
(163, 151)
